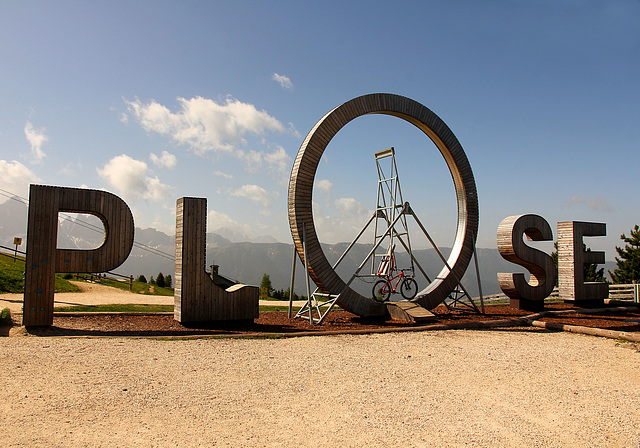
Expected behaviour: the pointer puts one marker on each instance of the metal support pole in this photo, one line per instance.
(354, 241)
(306, 269)
(475, 258)
(293, 276)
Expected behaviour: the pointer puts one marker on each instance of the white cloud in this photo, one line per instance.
(597, 204)
(253, 161)
(217, 220)
(254, 193)
(278, 162)
(344, 224)
(166, 160)
(284, 81)
(352, 208)
(324, 185)
(70, 169)
(205, 125)
(322, 188)
(36, 138)
(293, 131)
(15, 178)
(222, 174)
(129, 177)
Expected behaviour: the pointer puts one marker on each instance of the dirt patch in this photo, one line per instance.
(275, 323)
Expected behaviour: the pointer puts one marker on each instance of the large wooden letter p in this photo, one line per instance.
(44, 259)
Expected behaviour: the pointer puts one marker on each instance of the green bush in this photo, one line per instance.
(142, 279)
(5, 316)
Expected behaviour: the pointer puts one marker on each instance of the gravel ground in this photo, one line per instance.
(507, 388)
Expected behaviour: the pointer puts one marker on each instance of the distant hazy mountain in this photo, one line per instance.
(246, 261)
(235, 236)
(13, 222)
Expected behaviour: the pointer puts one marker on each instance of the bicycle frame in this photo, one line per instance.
(398, 279)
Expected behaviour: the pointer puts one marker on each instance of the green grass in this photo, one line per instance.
(143, 308)
(138, 288)
(116, 308)
(12, 277)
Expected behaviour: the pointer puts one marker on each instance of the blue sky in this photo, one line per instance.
(158, 100)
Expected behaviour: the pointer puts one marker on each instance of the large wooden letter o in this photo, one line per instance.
(301, 186)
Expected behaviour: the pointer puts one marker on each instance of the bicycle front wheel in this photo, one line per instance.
(381, 291)
(409, 288)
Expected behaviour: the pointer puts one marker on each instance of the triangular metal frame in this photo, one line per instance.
(392, 213)
(460, 299)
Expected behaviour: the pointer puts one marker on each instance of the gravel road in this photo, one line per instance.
(500, 388)
(90, 294)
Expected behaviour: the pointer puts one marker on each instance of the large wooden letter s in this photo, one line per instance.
(526, 295)
(44, 260)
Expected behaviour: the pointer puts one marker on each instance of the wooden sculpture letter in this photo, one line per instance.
(197, 298)
(44, 259)
(526, 295)
(571, 260)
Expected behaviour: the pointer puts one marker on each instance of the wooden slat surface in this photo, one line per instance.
(197, 298)
(301, 186)
(44, 260)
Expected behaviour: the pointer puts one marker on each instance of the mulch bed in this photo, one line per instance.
(275, 323)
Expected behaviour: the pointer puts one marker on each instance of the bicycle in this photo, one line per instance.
(383, 288)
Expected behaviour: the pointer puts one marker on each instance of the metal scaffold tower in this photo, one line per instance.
(390, 230)
(390, 209)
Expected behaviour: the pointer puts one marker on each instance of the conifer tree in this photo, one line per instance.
(266, 283)
(160, 282)
(628, 259)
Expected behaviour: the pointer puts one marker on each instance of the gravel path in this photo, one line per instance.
(506, 388)
(96, 294)
(90, 294)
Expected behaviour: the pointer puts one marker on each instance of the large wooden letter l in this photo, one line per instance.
(196, 297)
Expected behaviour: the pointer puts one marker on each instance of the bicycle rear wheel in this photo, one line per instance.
(381, 291)
(409, 288)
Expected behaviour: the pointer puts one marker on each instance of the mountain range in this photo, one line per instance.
(243, 259)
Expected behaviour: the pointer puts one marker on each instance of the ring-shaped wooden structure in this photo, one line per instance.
(301, 188)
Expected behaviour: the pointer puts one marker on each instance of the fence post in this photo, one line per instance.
(131, 283)
(636, 291)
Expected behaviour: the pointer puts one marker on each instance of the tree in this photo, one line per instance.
(160, 282)
(168, 281)
(142, 279)
(591, 271)
(152, 281)
(266, 283)
(628, 260)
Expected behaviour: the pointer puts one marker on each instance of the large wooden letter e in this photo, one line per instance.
(44, 259)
